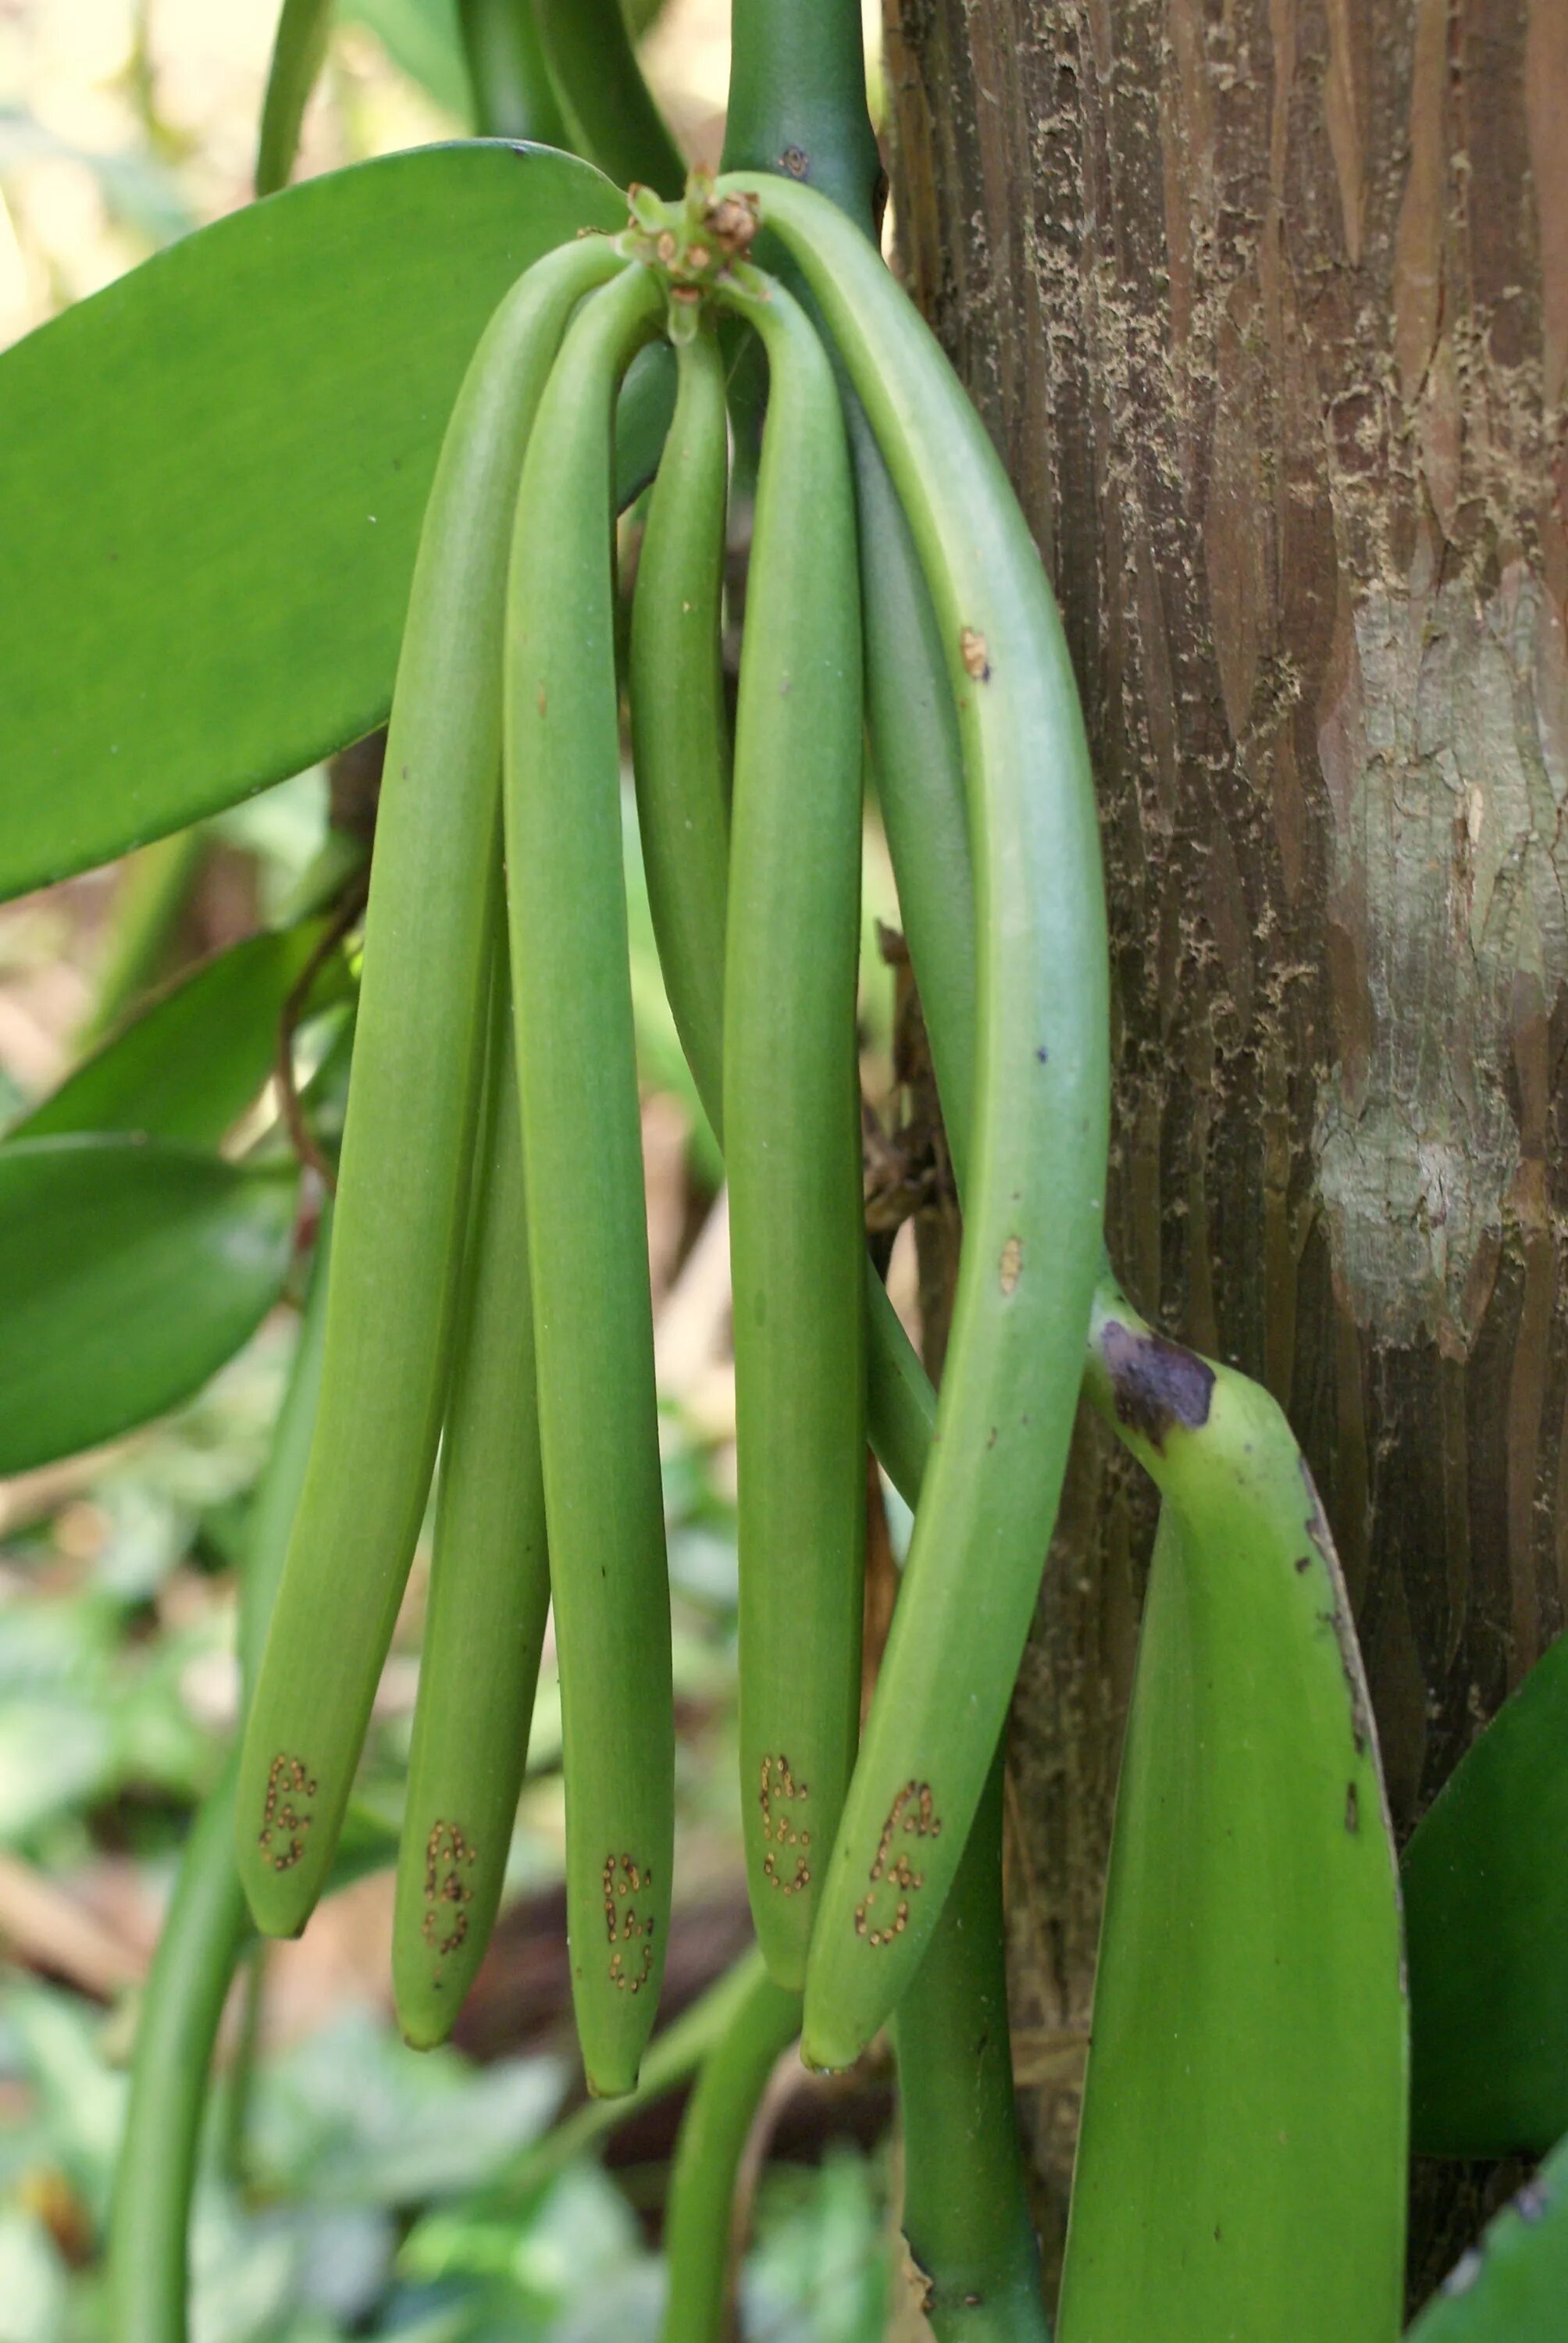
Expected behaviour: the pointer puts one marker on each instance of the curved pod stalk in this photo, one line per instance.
(199, 1945)
(674, 2053)
(792, 1144)
(609, 106)
(409, 1137)
(298, 54)
(514, 96)
(577, 1070)
(1034, 1194)
(490, 1586)
(698, 2221)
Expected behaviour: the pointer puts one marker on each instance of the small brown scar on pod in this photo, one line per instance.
(446, 1845)
(1012, 1263)
(779, 1782)
(973, 652)
(919, 1823)
(794, 162)
(622, 1877)
(287, 1779)
(1353, 1807)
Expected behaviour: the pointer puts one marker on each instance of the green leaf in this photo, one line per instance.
(195, 1058)
(1242, 2165)
(212, 474)
(130, 1271)
(1512, 2286)
(1486, 1920)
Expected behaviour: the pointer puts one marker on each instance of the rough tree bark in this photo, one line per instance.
(1266, 304)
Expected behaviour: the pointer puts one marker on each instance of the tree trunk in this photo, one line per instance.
(1265, 302)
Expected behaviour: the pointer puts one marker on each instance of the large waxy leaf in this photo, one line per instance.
(1486, 1915)
(1241, 2164)
(1514, 2286)
(195, 1058)
(130, 1271)
(212, 476)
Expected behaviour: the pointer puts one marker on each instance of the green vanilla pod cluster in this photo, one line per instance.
(893, 591)
(409, 1137)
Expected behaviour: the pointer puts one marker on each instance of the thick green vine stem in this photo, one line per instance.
(679, 729)
(409, 1138)
(514, 96)
(609, 106)
(792, 1142)
(965, 2217)
(202, 1933)
(797, 100)
(577, 1068)
(1034, 1197)
(489, 1584)
(761, 2024)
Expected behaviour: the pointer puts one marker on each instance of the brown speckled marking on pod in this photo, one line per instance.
(779, 1787)
(287, 1779)
(1352, 1808)
(447, 1849)
(975, 656)
(621, 1878)
(911, 1815)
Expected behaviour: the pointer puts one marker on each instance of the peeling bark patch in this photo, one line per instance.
(1448, 863)
(1012, 1263)
(1156, 1383)
(975, 657)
